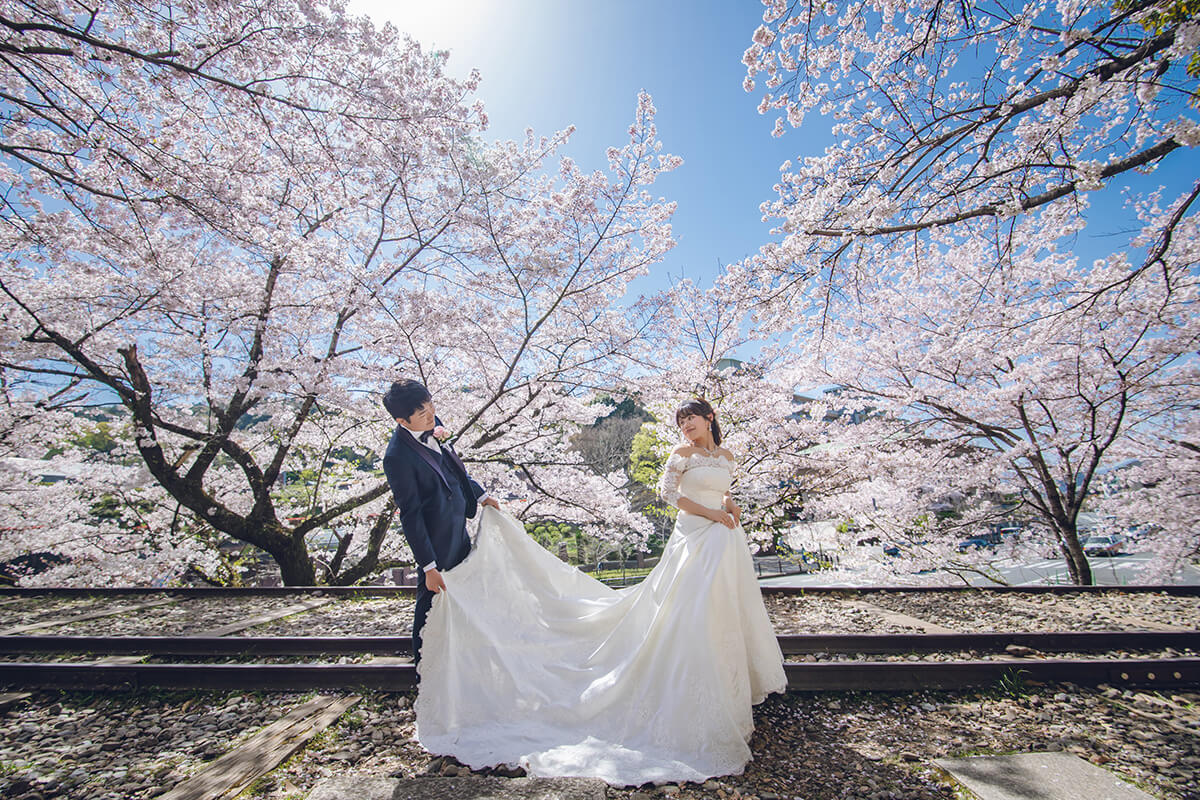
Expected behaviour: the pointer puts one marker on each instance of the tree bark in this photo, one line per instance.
(295, 566)
(1077, 564)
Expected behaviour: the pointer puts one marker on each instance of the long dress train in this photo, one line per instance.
(528, 661)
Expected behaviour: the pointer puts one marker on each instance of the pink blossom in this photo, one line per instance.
(236, 263)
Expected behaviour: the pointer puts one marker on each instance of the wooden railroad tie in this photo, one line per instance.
(10, 699)
(262, 619)
(897, 618)
(111, 612)
(229, 775)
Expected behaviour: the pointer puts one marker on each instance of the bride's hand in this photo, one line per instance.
(734, 510)
(724, 517)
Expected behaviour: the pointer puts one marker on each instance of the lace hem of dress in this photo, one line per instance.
(706, 460)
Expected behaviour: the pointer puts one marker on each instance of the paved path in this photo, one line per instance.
(1039, 776)
(1111, 571)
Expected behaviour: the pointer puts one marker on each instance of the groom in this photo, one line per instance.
(433, 493)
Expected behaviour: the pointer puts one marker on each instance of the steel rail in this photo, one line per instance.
(790, 644)
(400, 645)
(802, 677)
(403, 591)
(920, 675)
(990, 642)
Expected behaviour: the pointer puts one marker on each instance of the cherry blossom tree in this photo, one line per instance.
(952, 113)
(925, 261)
(1026, 389)
(1155, 496)
(702, 348)
(240, 221)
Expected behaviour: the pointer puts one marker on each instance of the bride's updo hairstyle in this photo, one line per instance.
(699, 408)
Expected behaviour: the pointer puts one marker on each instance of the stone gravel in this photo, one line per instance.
(791, 614)
(971, 612)
(829, 745)
(811, 746)
(27, 610)
(825, 614)
(1122, 611)
(122, 746)
(373, 617)
(191, 615)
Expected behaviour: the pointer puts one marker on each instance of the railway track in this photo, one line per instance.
(396, 673)
(1157, 658)
(401, 646)
(816, 677)
(8, 593)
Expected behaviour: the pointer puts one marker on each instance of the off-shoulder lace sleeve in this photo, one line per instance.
(668, 484)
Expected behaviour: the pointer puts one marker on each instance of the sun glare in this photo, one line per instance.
(460, 26)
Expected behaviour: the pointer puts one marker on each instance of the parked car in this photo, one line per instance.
(1135, 533)
(980, 541)
(1102, 545)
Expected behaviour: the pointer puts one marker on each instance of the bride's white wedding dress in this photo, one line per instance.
(528, 661)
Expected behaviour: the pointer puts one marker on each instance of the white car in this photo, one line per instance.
(1102, 545)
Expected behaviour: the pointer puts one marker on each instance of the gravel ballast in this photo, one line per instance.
(835, 613)
(831, 745)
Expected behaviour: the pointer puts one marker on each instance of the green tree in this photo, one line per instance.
(647, 457)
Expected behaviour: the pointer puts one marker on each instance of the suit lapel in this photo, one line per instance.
(448, 450)
(456, 462)
(424, 452)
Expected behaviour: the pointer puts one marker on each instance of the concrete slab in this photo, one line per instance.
(354, 787)
(896, 618)
(1038, 776)
(475, 787)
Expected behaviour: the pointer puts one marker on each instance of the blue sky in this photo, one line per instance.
(547, 64)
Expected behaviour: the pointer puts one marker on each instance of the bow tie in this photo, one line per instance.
(424, 437)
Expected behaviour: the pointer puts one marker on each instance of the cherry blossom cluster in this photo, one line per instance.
(238, 222)
(947, 112)
(924, 262)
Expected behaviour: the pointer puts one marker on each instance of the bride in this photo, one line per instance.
(528, 661)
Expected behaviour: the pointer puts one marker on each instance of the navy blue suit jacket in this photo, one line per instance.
(430, 494)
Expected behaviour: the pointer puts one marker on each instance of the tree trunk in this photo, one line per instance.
(369, 563)
(295, 567)
(1077, 564)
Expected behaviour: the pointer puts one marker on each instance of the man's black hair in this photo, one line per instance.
(404, 397)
